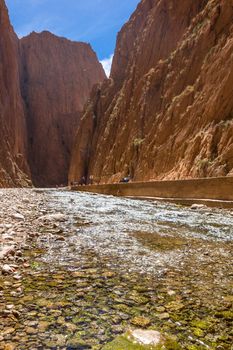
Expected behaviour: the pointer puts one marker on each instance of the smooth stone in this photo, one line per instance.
(8, 226)
(60, 339)
(160, 309)
(8, 237)
(31, 330)
(174, 306)
(145, 337)
(140, 339)
(6, 251)
(25, 200)
(141, 321)
(32, 235)
(197, 206)
(229, 298)
(9, 330)
(151, 340)
(171, 292)
(164, 316)
(60, 238)
(10, 307)
(108, 274)
(17, 277)
(7, 283)
(53, 217)
(6, 312)
(7, 269)
(9, 347)
(71, 327)
(61, 320)
(32, 324)
(43, 326)
(18, 216)
(26, 265)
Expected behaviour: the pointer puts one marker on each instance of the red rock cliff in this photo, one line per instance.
(57, 76)
(13, 165)
(167, 110)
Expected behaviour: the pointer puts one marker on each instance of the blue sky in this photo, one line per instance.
(93, 21)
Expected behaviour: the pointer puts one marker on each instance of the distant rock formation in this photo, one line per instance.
(44, 83)
(57, 76)
(13, 159)
(167, 110)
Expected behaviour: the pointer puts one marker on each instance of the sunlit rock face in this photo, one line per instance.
(44, 83)
(57, 76)
(167, 110)
(13, 165)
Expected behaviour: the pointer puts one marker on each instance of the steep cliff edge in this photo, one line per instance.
(13, 165)
(167, 110)
(57, 76)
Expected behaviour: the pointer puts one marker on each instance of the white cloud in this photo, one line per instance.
(107, 64)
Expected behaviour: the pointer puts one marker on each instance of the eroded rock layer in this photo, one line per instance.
(167, 110)
(13, 165)
(57, 76)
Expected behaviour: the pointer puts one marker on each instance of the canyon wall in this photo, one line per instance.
(167, 110)
(57, 76)
(13, 164)
(44, 83)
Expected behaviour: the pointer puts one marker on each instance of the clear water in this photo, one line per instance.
(121, 261)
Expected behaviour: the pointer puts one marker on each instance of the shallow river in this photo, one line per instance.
(115, 263)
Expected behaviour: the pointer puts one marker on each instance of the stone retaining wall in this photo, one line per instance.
(209, 188)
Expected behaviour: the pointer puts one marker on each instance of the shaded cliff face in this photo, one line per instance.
(57, 76)
(167, 110)
(13, 165)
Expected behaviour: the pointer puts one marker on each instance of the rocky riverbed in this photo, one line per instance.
(79, 270)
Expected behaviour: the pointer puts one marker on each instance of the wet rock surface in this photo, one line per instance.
(79, 270)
